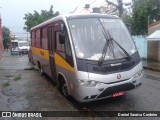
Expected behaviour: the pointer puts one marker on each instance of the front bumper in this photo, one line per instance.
(87, 94)
(23, 52)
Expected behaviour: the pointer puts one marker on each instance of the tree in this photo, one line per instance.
(128, 20)
(6, 37)
(145, 12)
(33, 19)
(154, 11)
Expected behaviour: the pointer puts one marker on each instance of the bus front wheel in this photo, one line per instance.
(63, 88)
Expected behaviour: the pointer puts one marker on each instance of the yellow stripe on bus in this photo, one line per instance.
(41, 52)
(62, 63)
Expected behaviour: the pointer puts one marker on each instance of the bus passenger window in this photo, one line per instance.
(44, 38)
(37, 38)
(33, 39)
(59, 47)
(67, 46)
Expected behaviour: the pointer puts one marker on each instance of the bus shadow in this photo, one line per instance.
(96, 104)
(93, 105)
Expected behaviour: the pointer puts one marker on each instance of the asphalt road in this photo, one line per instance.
(27, 90)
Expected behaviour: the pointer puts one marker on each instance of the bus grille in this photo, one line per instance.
(111, 69)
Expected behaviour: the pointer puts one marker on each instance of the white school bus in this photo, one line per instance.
(88, 56)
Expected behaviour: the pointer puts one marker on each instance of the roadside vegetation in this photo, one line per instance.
(10, 77)
(18, 77)
(144, 12)
(35, 18)
(6, 84)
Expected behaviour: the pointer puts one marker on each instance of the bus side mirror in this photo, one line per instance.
(61, 38)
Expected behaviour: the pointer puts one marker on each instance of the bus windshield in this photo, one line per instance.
(90, 36)
(21, 44)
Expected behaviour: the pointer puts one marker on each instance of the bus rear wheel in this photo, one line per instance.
(40, 68)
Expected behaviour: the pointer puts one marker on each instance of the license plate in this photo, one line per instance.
(118, 94)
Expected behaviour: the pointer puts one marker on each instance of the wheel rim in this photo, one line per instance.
(41, 71)
(40, 68)
(64, 89)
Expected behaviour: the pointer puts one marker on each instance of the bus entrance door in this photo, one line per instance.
(51, 45)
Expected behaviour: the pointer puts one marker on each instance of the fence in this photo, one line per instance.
(141, 44)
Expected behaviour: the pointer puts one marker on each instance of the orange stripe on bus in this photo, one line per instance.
(60, 61)
(41, 52)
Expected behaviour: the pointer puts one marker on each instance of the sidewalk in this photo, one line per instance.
(155, 66)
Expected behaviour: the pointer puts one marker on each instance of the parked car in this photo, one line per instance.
(23, 47)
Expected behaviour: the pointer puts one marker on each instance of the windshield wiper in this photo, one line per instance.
(112, 39)
(109, 39)
(104, 51)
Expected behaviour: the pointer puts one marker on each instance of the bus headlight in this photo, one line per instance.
(89, 83)
(139, 74)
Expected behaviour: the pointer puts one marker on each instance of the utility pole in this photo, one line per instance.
(120, 7)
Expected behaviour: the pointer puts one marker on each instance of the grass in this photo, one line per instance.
(17, 78)
(6, 84)
(31, 68)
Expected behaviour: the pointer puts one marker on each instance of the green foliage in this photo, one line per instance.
(6, 84)
(145, 12)
(128, 21)
(6, 38)
(33, 19)
(17, 78)
(154, 10)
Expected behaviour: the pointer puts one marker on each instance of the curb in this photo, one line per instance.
(151, 68)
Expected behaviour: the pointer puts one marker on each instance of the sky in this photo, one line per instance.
(12, 11)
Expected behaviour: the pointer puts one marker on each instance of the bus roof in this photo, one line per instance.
(73, 15)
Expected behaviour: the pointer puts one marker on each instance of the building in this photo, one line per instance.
(154, 42)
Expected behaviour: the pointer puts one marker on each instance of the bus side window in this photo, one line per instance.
(33, 39)
(67, 45)
(59, 47)
(68, 48)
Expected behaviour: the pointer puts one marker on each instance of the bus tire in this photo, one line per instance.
(40, 68)
(63, 88)
(29, 59)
